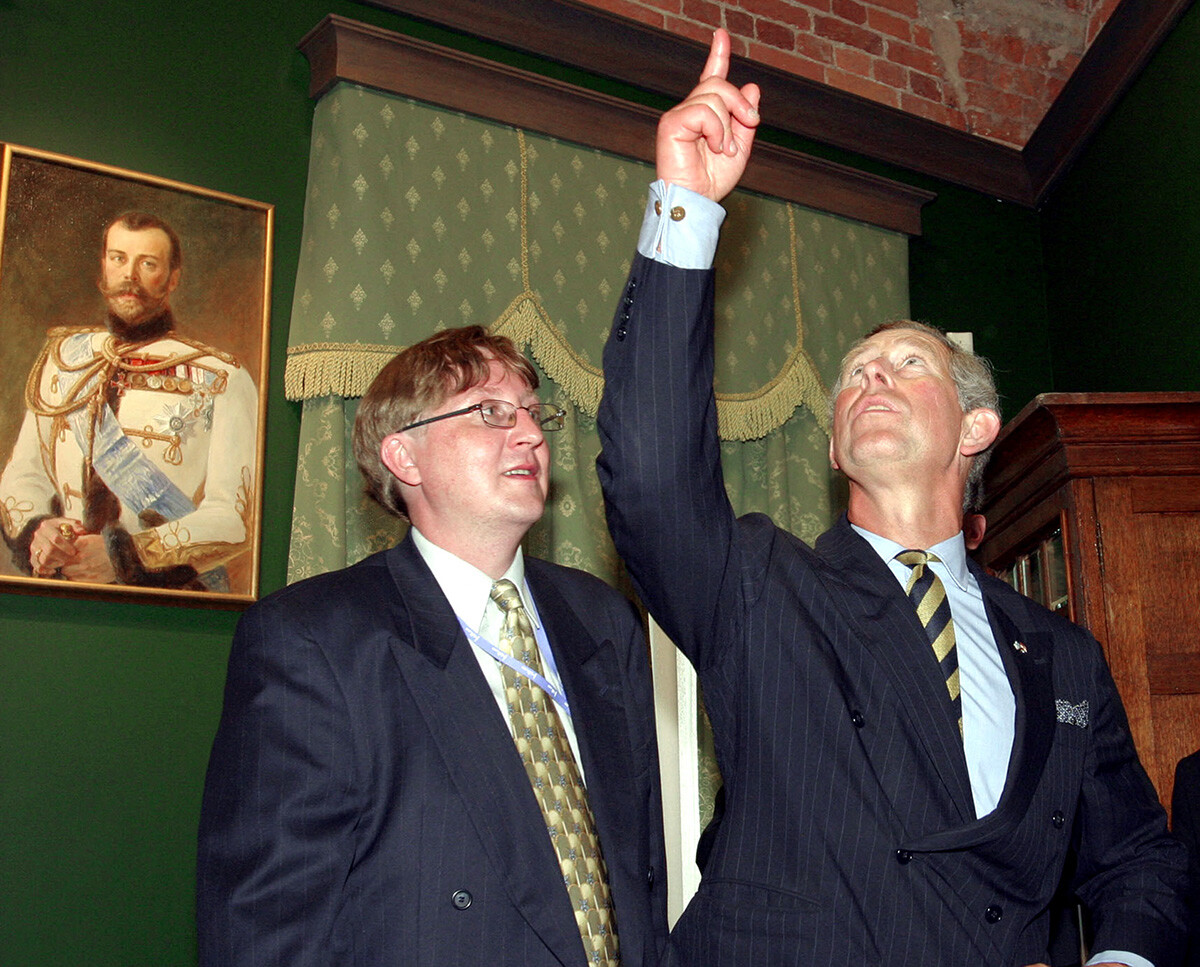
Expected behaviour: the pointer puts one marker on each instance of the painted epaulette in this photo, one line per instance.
(208, 350)
(62, 332)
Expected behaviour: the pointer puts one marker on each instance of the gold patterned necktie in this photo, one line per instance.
(928, 595)
(554, 775)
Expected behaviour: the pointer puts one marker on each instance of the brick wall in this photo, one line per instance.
(989, 67)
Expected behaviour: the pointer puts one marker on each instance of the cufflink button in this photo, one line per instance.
(461, 899)
(994, 913)
(678, 213)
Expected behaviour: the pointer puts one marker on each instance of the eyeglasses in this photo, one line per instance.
(503, 415)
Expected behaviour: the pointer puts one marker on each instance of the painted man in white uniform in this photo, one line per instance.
(135, 463)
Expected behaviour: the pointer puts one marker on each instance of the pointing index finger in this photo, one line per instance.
(717, 64)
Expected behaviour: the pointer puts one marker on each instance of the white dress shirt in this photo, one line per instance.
(468, 590)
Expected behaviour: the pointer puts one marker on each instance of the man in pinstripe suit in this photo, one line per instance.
(870, 818)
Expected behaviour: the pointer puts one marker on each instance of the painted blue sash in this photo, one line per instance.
(121, 463)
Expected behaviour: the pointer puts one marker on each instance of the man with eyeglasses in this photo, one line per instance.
(444, 754)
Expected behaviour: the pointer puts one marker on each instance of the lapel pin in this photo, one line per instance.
(1021, 648)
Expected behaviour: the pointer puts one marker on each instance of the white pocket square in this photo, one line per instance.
(1072, 713)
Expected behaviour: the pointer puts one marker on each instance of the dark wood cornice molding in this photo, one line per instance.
(1129, 39)
(341, 49)
(663, 63)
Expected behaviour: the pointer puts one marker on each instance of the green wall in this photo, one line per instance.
(978, 267)
(107, 709)
(1122, 237)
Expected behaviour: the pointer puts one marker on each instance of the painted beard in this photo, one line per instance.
(134, 314)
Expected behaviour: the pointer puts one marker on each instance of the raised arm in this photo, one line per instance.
(660, 464)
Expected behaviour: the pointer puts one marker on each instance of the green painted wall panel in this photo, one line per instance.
(978, 268)
(1122, 237)
(107, 709)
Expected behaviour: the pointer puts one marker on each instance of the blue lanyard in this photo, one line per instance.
(556, 694)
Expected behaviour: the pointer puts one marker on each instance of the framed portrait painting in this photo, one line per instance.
(133, 347)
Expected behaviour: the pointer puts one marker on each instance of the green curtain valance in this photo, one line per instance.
(420, 218)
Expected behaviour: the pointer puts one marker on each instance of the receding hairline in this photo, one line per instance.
(903, 333)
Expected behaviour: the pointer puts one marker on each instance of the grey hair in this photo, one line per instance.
(973, 379)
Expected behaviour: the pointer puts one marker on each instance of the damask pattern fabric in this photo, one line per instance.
(419, 218)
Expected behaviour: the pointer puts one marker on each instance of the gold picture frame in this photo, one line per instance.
(132, 392)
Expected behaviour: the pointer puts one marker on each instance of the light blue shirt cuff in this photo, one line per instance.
(1119, 957)
(681, 227)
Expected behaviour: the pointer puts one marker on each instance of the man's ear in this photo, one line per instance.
(832, 459)
(980, 429)
(397, 456)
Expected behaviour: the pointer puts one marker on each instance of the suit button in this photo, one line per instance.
(857, 718)
(993, 913)
(903, 856)
(461, 899)
(1058, 819)
(650, 878)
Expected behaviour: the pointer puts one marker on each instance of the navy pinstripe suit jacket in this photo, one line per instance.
(1185, 820)
(849, 836)
(365, 804)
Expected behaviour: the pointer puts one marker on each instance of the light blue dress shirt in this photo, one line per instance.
(988, 706)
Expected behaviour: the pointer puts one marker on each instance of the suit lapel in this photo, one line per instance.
(871, 599)
(593, 682)
(448, 688)
(1027, 659)
(589, 674)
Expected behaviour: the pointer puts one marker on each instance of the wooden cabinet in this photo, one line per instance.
(1093, 501)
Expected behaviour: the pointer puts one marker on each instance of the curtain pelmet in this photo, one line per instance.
(418, 219)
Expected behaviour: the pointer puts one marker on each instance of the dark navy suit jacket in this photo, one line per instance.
(1185, 822)
(365, 804)
(849, 835)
